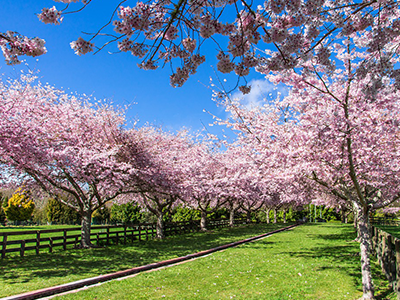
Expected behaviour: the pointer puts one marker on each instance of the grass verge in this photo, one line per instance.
(309, 262)
(20, 275)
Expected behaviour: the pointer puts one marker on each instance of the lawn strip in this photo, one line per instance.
(308, 262)
(30, 273)
(103, 278)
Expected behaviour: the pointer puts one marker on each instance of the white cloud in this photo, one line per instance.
(261, 91)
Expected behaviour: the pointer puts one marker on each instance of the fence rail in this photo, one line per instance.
(48, 238)
(386, 221)
(387, 250)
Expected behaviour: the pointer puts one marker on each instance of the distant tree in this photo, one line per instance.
(3, 202)
(184, 213)
(20, 206)
(60, 213)
(126, 213)
(101, 215)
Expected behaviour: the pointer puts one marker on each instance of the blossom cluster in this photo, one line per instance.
(50, 16)
(14, 45)
(298, 31)
(81, 47)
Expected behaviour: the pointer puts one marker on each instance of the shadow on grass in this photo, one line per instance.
(84, 263)
(343, 252)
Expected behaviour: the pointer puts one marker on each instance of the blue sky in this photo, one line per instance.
(114, 76)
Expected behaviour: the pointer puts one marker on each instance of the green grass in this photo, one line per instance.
(309, 262)
(32, 272)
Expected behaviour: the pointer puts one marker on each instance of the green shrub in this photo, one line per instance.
(59, 213)
(101, 215)
(39, 216)
(20, 206)
(126, 213)
(184, 213)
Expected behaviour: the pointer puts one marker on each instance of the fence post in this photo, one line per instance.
(37, 242)
(65, 240)
(98, 239)
(124, 234)
(108, 236)
(4, 246)
(116, 238)
(397, 285)
(140, 232)
(22, 250)
(147, 232)
(51, 245)
(391, 261)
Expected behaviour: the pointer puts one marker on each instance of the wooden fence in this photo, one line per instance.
(38, 240)
(385, 221)
(387, 250)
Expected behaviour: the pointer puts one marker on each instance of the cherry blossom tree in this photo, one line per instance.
(203, 182)
(346, 134)
(276, 35)
(159, 180)
(62, 145)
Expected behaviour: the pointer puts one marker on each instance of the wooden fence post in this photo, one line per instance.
(65, 240)
(50, 245)
(397, 286)
(108, 236)
(37, 242)
(140, 232)
(4, 246)
(98, 239)
(124, 234)
(22, 250)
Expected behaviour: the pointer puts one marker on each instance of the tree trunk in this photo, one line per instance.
(343, 213)
(160, 226)
(357, 212)
(284, 216)
(267, 212)
(365, 251)
(248, 217)
(86, 224)
(231, 217)
(203, 221)
(275, 216)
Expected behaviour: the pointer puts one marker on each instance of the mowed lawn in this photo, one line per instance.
(318, 261)
(19, 275)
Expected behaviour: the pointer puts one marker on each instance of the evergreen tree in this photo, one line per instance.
(20, 206)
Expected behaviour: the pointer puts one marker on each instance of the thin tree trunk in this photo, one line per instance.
(284, 216)
(365, 251)
(248, 216)
(86, 224)
(203, 221)
(160, 226)
(343, 213)
(357, 212)
(267, 212)
(275, 216)
(231, 216)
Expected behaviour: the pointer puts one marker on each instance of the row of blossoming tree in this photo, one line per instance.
(337, 132)
(81, 154)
